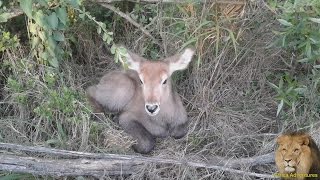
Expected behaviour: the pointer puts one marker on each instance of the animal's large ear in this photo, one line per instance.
(304, 139)
(132, 60)
(180, 61)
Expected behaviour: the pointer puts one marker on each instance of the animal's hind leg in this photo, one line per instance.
(146, 141)
(98, 109)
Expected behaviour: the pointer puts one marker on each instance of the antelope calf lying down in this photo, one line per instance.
(143, 95)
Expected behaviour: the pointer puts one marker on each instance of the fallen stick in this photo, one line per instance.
(55, 162)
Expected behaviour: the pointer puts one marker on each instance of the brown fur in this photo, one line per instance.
(122, 92)
(297, 153)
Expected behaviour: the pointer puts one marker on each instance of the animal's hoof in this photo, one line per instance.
(140, 149)
(178, 136)
(115, 118)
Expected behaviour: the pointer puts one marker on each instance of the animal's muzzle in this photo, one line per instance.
(152, 108)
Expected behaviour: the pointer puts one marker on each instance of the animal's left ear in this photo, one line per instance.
(304, 139)
(180, 61)
(281, 139)
(132, 60)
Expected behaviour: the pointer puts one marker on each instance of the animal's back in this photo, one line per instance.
(315, 169)
(114, 91)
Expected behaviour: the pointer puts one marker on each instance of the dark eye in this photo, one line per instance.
(284, 149)
(141, 81)
(164, 82)
(296, 150)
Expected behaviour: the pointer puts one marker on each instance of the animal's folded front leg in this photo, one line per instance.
(179, 131)
(145, 141)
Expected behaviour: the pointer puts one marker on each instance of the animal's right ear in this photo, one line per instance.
(304, 139)
(180, 61)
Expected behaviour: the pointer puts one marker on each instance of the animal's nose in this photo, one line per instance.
(152, 108)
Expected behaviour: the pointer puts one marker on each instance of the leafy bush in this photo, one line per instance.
(299, 34)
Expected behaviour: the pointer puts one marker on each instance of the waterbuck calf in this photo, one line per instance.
(143, 96)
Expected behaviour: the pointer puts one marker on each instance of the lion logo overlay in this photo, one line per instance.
(297, 155)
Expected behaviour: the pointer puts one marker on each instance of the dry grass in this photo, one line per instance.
(231, 107)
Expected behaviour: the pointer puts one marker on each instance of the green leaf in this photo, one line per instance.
(35, 41)
(42, 35)
(280, 106)
(314, 41)
(277, 32)
(82, 16)
(51, 46)
(74, 3)
(33, 28)
(273, 85)
(280, 83)
(61, 26)
(61, 133)
(54, 62)
(300, 90)
(308, 50)
(122, 51)
(4, 17)
(284, 22)
(304, 60)
(105, 36)
(43, 2)
(62, 15)
(103, 26)
(52, 141)
(26, 6)
(113, 49)
(44, 56)
(289, 90)
(316, 20)
(40, 19)
(99, 30)
(109, 40)
(58, 36)
(53, 20)
(283, 44)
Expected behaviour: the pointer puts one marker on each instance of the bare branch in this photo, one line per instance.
(55, 162)
(14, 12)
(133, 22)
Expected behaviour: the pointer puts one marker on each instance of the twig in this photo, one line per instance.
(133, 22)
(55, 162)
(178, 1)
(14, 12)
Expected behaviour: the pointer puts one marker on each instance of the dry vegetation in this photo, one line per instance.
(226, 92)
